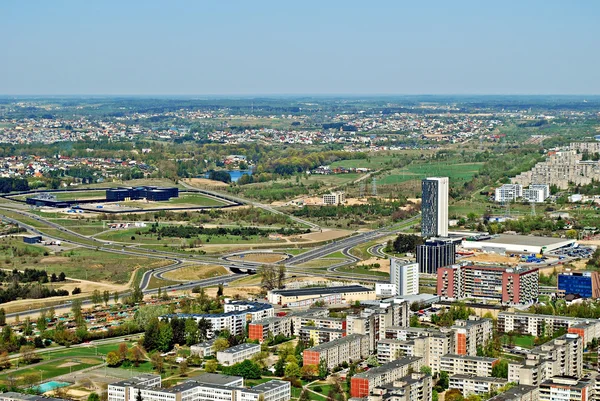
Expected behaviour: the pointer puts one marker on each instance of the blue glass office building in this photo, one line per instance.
(584, 284)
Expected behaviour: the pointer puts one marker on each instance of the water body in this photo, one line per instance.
(235, 174)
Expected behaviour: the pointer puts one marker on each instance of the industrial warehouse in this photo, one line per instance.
(504, 243)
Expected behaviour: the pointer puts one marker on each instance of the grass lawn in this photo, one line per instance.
(336, 255)
(362, 270)
(77, 263)
(521, 341)
(195, 200)
(54, 367)
(418, 171)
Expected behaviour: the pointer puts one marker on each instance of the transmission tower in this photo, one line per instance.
(361, 189)
(507, 208)
(374, 187)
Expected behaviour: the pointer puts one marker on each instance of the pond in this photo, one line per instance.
(235, 174)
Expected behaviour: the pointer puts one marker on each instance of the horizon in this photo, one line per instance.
(270, 48)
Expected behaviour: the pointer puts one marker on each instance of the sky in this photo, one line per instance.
(285, 47)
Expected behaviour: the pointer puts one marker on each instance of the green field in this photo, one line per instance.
(521, 341)
(362, 270)
(86, 264)
(195, 200)
(418, 171)
(55, 367)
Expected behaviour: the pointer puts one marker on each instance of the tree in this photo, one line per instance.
(138, 396)
(165, 337)
(62, 277)
(323, 370)
(76, 309)
(158, 362)
(135, 355)
(96, 297)
(106, 297)
(246, 369)
(279, 367)
(500, 369)
(116, 297)
(444, 380)
(41, 322)
(93, 397)
(434, 395)
(113, 359)
(183, 368)
(211, 366)
(4, 360)
(426, 370)
(292, 370)
(204, 327)
(304, 395)
(453, 395)
(2, 317)
(309, 372)
(28, 354)
(76, 291)
(220, 290)
(122, 351)
(137, 295)
(151, 335)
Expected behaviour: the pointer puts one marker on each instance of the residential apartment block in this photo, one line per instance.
(471, 384)
(518, 393)
(261, 329)
(508, 193)
(414, 387)
(334, 198)
(470, 334)
(404, 276)
(514, 285)
(237, 354)
(567, 388)
(542, 325)
(347, 349)
(363, 384)
(468, 365)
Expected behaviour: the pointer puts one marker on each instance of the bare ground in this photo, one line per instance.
(261, 258)
(197, 272)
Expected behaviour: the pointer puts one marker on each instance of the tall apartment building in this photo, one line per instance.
(434, 207)
(509, 285)
(347, 349)
(431, 348)
(546, 325)
(470, 334)
(320, 320)
(468, 365)
(562, 356)
(508, 193)
(435, 254)
(404, 276)
(363, 384)
(567, 388)
(414, 387)
(234, 317)
(537, 193)
(471, 384)
(320, 335)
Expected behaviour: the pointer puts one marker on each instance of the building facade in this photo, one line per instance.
(435, 254)
(434, 207)
(584, 284)
(347, 349)
(404, 276)
(334, 198)
(237, 354)
(508, 193)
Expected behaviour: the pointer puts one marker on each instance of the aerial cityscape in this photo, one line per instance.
(261, 201)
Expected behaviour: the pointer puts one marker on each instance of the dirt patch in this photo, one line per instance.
(205, 182)
(55, 259)
(384, 264)
(494, 258)
(68, 364)
(326, 235)
(260, 258)
(193, 273)
(243, 292)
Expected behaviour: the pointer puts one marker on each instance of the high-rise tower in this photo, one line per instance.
(434, 207)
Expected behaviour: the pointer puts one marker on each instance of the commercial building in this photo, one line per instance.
(34, 239)
(362, 384)
(562, 356)
(471, 384)
(404, 276)
(546, 325)
(237, 354)
(508, 193)
(261, 329)
(330, 295)
(150, 193)
(537, 193)
(334, 198)
(567, 388)
(518, 393)
(509, 285)
(201, 388)
(234, 318)
(434, 207)
(414, 387)
(470, 334)
(435, 254)
(505, 243)
(468, 365)
(585, 284)
(347, 349)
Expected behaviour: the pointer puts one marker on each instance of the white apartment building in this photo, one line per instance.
(567, 388)
(237, 354)
(470, 365)
(405, 276)
(385, 289)
(508, 193)
(346, 349)
(537, 193)
(430, 346)
(471, 384)
(234, 317)
(334, 198)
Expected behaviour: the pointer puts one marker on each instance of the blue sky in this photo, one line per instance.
(230, 47)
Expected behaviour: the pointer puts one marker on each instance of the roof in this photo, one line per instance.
(525, 240)
(498, 380)
(336, 342)
(215, 378)
(470, 358)
(240, 347)
(514, 393)
(372, 373)
(270, 385)
(321, 290)
(135, 380)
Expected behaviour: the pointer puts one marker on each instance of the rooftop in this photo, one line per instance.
(525, 240)
(336, 342)
(321, 290)
(215, 378)
(374, 372)
(241, 347)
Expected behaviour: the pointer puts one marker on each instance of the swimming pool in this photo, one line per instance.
(51, 385)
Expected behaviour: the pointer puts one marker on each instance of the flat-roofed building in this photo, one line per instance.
(518, 393)
(346, 349)
(505, 243)
(413, 387)
(237, 354)
(330, 295)
(468, 365)
(273, 326)
(404, 276)
(567, 388)
(471, 384)
(334, 198)
(362, 384)
(470, 334)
